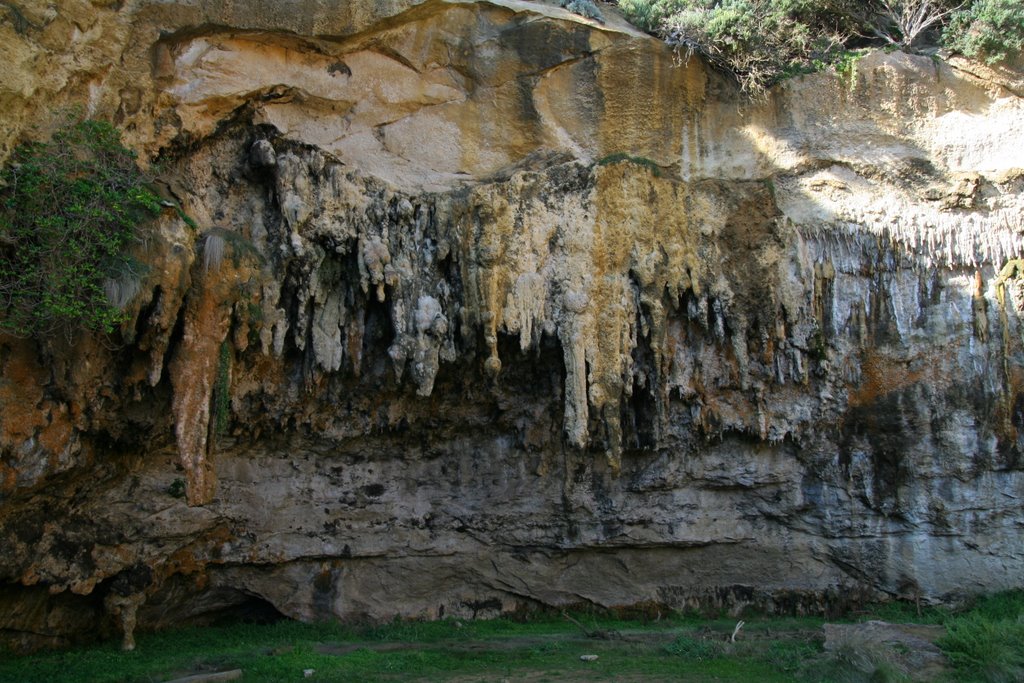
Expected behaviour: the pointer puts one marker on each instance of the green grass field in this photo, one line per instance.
(985, 643)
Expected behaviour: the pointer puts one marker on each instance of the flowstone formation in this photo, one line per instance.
(484, 306)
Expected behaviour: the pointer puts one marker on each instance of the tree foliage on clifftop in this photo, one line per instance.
(761, 41)
(69, 208)
(992, 30)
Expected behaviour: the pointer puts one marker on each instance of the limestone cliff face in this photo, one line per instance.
(488, 306)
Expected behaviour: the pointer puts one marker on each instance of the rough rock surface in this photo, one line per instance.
(488, 306)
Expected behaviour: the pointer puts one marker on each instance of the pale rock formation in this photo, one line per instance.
(514, 308)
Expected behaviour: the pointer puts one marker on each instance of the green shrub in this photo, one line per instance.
(68, 210)
(987, 643)
(695, 649)
(649, 15)
(759, 41)
(584, 8)
(789, 656)
(763, 41)
(988, 29)
(222, 391)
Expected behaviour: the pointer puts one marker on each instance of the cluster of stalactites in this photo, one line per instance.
(589, 266)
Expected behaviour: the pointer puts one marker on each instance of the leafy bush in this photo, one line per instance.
(987, 643)
(650, 15)
(988, 29)
(695, 649)
(762, 41)
(222, 390)
(68, 210)
(757, 40)
(789, 656)
(584, 8)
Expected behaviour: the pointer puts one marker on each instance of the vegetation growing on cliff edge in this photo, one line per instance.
(222, 391)
(992, 30)
(69, 208)
(762, 41)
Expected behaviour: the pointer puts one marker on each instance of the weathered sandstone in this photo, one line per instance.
(499, 307)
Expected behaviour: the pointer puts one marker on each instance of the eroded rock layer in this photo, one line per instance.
(485, 306)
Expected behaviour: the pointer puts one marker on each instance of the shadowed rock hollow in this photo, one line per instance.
(487, 306)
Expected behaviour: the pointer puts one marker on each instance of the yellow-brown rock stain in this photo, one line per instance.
(882, 375)
(21, 392)
(192, 560)
(208, 318)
